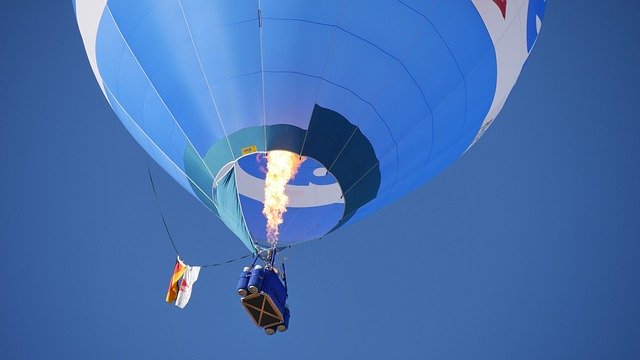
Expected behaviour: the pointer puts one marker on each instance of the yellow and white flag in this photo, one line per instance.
(178, 269)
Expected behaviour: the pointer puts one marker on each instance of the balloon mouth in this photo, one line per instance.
(316, 201)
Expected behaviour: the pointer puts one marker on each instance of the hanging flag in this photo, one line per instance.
(178, 269)
(189, 278)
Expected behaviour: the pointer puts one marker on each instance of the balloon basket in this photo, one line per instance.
(267, 308)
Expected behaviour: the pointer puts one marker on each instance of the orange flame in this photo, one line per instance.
(282, 166)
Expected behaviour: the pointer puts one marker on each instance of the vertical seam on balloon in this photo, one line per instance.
(264, 105)
(244, 221)
(466, 95)
(324, 71)
(206, 79)
(154, 88)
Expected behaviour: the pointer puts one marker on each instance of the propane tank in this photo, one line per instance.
(255, 281)
(243, 281)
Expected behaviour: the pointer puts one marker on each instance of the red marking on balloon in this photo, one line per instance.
(502, 4)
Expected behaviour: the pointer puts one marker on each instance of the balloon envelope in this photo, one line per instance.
(378, 95)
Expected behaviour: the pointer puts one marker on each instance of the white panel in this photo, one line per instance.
(311, 195)
(89, 13)
(509, 36)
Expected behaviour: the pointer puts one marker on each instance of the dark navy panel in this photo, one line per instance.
(330, 134)
(368, 121)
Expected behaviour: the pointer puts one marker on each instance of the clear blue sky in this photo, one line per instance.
(526, 248)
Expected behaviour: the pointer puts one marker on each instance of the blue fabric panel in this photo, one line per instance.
(126, 82)
(536, 9)
(435, 166)
(159, 37)
(295, 45)
(371, 21)
(463, 30)
(207, 16)
(284, 106)
(317, 221)
(432, 65)
(402, 104)
(240, 102)
(136, 103)
(413, 151)
(448, 119)
(294, 58)
(326, 11)
(149, 146)
(230, 51)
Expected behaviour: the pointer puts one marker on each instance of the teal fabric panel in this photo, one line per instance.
(230, 210)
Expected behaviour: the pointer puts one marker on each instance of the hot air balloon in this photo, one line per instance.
(375, 96)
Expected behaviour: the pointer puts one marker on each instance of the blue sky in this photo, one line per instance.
(526, 248)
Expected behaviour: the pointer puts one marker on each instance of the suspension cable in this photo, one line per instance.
(173, 244)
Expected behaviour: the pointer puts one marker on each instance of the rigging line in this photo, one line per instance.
(239, 258)
(228, 261)
(164, 222)
(166, 227)
(144, 72)
(264, 105)
(206, 80)
(341, 150)
(191, 181)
